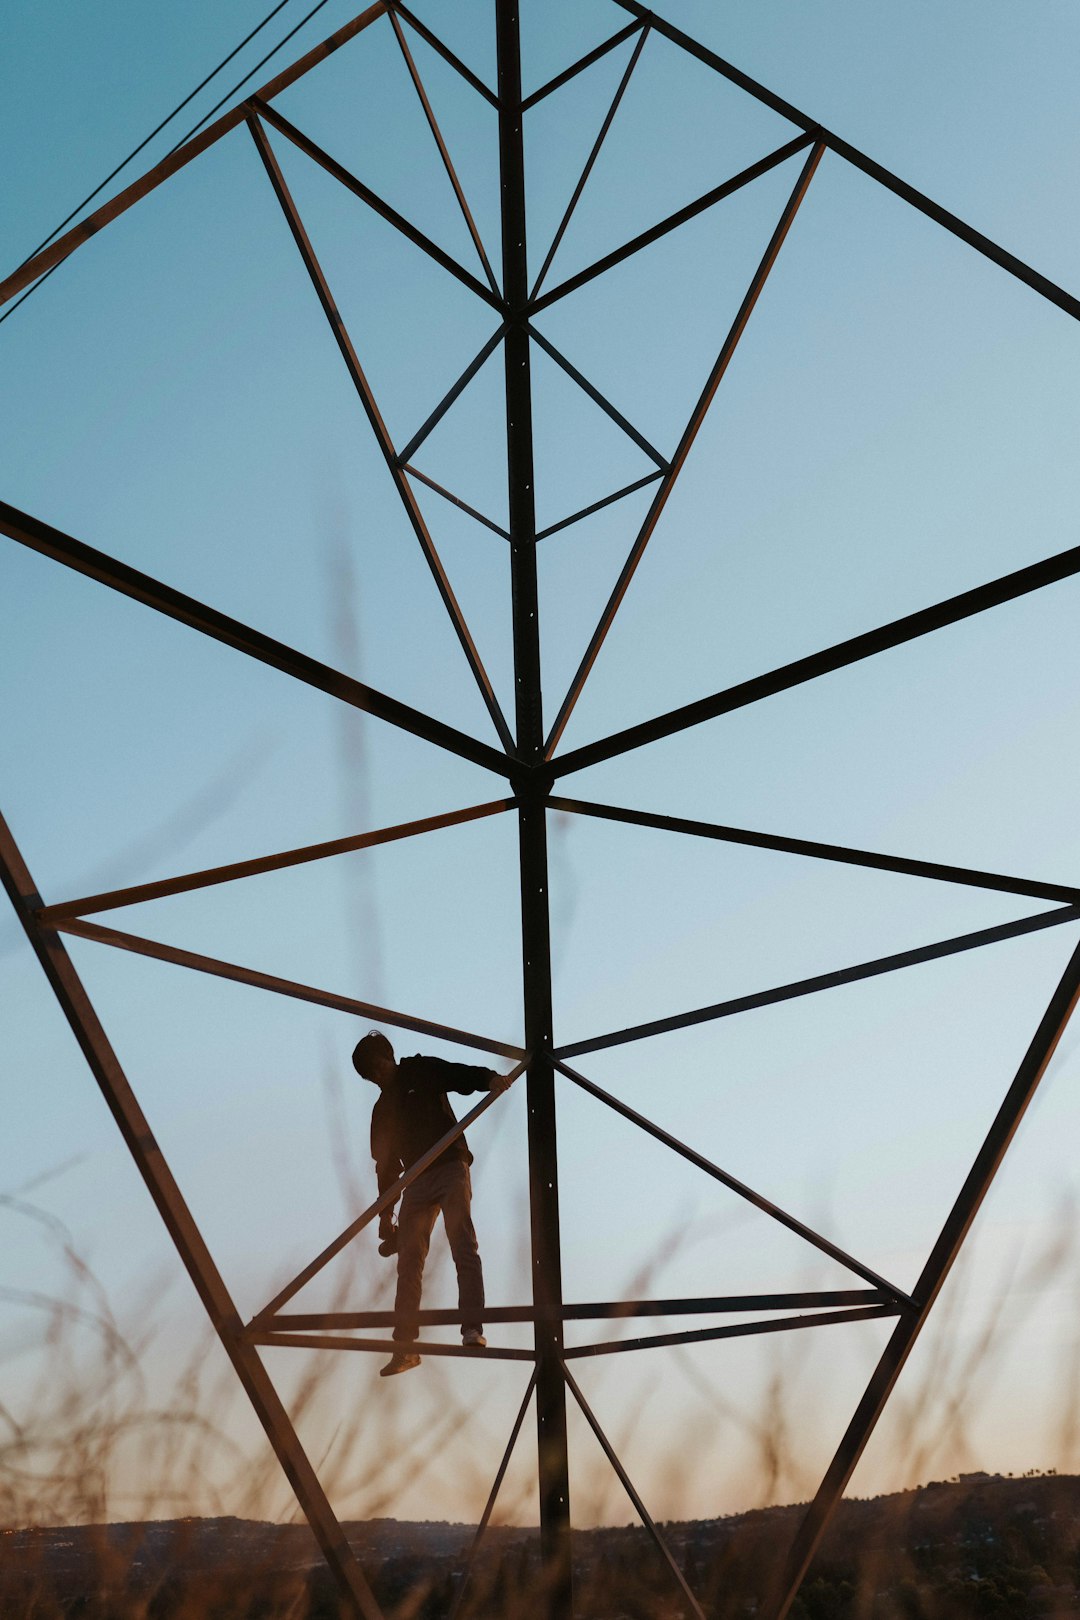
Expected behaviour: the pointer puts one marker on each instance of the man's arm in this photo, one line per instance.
(464, 1077)
(388, 1168)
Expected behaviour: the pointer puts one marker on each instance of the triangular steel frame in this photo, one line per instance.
(529, 760)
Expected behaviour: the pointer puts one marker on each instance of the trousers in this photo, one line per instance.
(444, 1186)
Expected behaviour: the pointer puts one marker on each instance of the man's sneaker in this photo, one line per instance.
(473, 1339)
(400, 1361)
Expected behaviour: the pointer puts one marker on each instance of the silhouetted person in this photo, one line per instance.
(411, 1114)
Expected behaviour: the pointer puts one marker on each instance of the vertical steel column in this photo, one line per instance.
(532, 788)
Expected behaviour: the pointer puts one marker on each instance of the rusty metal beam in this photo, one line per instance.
(624, 1480)
(733, 1184)
(959, 943)
(489, 1505)
(378, 427)
(606, 1310)
(940, 871)
(731, 1330)
(181, 1226)
(49, 257)
(690, 433)
(859, 160)
(953, 610)
(136, 893)
(132, 582)
(934, 1274)
(218, 969)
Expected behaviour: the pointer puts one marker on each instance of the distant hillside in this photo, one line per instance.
(982, 1545)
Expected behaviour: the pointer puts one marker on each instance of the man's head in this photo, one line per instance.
(374, 1057)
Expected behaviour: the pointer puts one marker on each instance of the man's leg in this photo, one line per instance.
(415, 1222)
(461, 1235)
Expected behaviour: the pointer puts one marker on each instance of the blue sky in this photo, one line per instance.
(899, 423)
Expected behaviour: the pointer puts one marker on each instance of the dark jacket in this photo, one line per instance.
(413, 1112)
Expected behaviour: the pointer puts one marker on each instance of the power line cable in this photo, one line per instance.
(164, 122)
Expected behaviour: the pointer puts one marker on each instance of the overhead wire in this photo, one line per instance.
(163, 124)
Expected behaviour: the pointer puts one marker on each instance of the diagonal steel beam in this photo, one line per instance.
(1007, 588)
(455, 500)
(385, 1200)
(624, 1480)
(678, 460)
(671, 222)
(162, 887)
(158, 952)
(378, 427)
(599, 399)
(987, 1162)
(305, 144)
(65, 245)
(598, 506)
(968, 876)
(590, 161)
(451, 396)
(182, 1228)
(444, 51)
(954, 946)
(489, 1506)
(437, 136)
(580, 65)
(859, 160)
(132, 582)
(734, 1185)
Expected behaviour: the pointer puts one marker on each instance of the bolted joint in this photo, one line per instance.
(531, 782)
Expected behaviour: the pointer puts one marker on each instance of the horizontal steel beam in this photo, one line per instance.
(606, 1310)
(134, 895)
(970, 877)
(282, 987)
(337, 1341)
(953, 610)
(829, 981)
(731, 1330)
(132, 582)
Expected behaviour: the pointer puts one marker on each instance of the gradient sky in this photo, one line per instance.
(900, 422)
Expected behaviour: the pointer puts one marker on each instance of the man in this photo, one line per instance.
(410, 1115)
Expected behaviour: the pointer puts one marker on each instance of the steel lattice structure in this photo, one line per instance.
(527, 756)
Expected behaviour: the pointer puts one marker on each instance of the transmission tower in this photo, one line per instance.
(527, 756)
